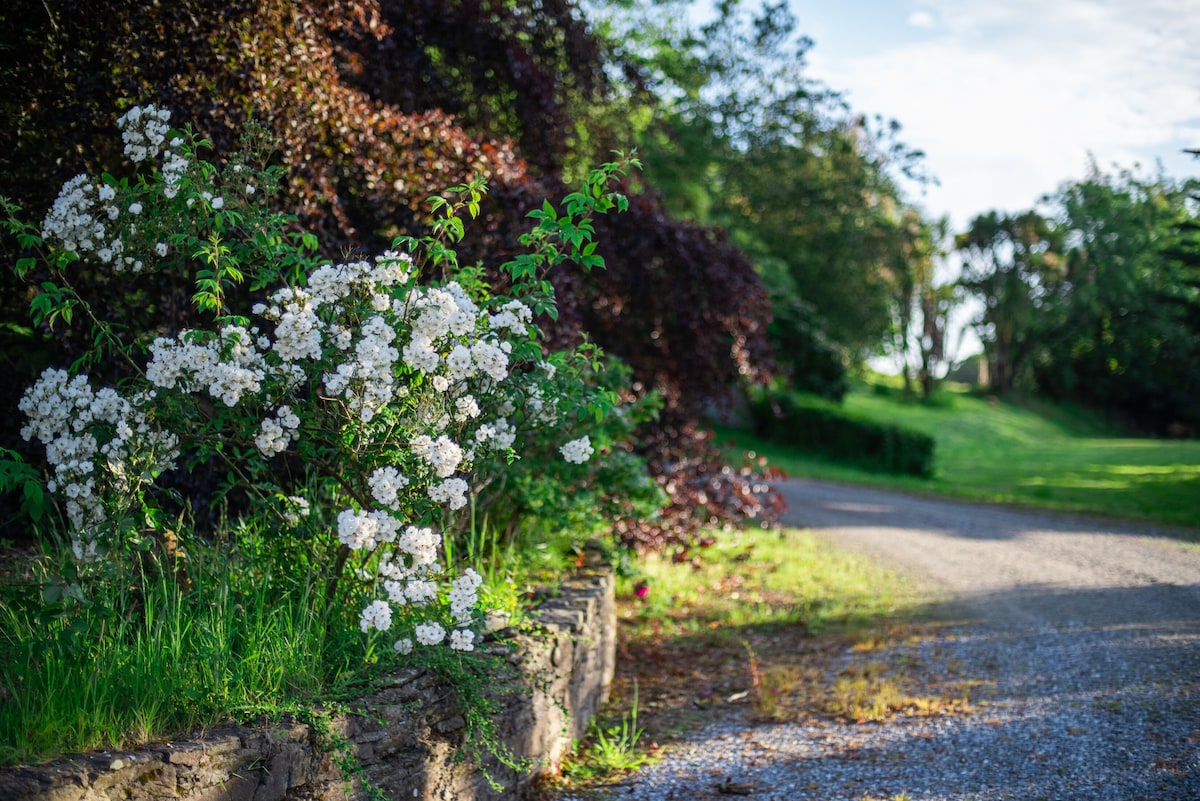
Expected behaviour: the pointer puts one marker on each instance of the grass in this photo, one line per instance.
(1031, 454)
(775, 625)
(612, 748)
(116, 661)
(153, 659)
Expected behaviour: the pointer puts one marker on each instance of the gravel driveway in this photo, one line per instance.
(1090, 631)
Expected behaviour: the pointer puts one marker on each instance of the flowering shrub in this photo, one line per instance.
(388, 391)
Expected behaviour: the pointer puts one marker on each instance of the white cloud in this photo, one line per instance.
(921, 19)
(1008, 99)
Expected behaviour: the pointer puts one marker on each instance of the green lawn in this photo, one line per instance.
(1031, 454)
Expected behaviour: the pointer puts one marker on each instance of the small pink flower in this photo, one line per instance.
(641, 590)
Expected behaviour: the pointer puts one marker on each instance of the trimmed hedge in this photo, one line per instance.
(813, 424)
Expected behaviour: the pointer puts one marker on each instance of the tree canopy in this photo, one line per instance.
(1096, 298)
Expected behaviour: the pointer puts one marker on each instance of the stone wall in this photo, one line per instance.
(407, 734)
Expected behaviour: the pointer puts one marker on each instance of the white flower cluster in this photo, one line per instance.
(296, 509)
(514, 316)
(385, 484)
(442, 454)
(430, 633)
(144, 130)
(96, 442)
(452, 492)
(364, 531)
(227, 367)
(377, 615)
(86, 217)
(577, 451)
(277, 432)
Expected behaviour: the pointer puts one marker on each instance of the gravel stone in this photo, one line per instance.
(1090, 631)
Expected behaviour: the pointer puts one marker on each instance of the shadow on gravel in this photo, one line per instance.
(1160, 607)
(818, 505)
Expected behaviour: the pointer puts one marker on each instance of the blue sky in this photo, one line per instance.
(1009, 97)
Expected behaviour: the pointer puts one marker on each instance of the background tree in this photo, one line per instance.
(1122, 324)
(921, 306)
(743, 139)
(1010, 263)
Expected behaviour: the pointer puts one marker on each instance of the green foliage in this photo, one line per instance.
(742, 138)
(1097, 300)
(1121, 330)
(1009, 262)
(17, 475)
(809, 360)
(814, 424)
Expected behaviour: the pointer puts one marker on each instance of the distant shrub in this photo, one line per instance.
(813, 424)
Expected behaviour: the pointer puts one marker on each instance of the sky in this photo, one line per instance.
(1010, 98)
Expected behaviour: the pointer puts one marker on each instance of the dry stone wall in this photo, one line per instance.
(407, 735)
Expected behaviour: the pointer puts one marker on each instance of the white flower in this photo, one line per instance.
(462, 640)
(135, 208)
(385, 483)
(430, 633)
(161, 249)
(420, 592)
(490, 359)
(357, 530)
(377, 615)
(577, 451)
(218, 203)
(464, 595)
(403, 646)
(452, 492)
(466, 408)
(421, 544)
(443, 455)
(297, 509)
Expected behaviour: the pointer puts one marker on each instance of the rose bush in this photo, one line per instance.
(361, 407)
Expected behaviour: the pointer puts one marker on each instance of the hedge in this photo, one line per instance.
(813, 424)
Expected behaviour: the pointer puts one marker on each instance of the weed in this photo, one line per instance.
(608, 750)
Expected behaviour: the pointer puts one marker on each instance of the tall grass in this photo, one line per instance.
(157, 660)
(117, 660)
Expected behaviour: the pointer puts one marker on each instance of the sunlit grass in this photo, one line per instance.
(781, 577)
(1055, 457)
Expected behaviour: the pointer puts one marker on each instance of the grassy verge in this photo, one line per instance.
(93, 662)
(773, 625)
(1040, 455)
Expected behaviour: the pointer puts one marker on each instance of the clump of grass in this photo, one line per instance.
(610, 749)
(151, 658)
